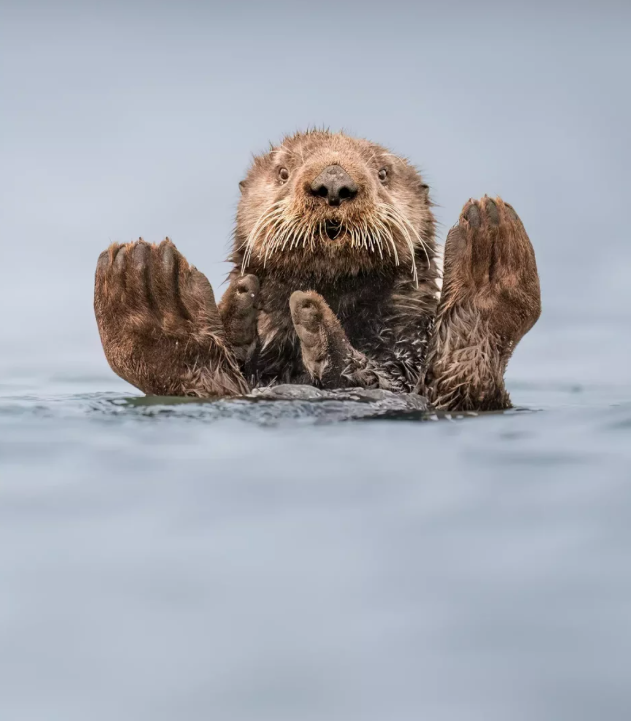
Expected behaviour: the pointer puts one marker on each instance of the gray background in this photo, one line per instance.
(120, 120)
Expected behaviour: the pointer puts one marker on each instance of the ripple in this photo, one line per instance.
(264, 407)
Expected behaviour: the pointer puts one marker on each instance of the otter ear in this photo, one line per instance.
(242, 185)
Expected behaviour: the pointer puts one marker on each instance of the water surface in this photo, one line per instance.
(174, 560)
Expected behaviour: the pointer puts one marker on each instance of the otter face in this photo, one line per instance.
(332, 205)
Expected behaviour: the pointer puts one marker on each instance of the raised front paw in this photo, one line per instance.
(159, 324)
(325, 347)
(238, 309)
(490, 265)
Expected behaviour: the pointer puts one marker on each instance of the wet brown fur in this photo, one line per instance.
(331, 295)
(490, 300)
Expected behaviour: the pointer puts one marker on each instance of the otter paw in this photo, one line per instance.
(325, 348)
(308, 311)
(490, 265)
(159, 324)
(239, 313)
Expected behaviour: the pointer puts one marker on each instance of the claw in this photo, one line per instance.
(119, 259)
(140, 254)
(167, 252)
(472, 215)
(511, 212)
(492, 210)
(103, 261)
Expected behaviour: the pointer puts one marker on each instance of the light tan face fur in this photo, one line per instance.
(281, 222)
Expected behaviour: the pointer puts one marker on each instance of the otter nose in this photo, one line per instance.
(334, 184)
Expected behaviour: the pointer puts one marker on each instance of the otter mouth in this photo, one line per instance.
(334, 229)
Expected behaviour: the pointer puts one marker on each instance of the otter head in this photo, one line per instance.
(330, 205)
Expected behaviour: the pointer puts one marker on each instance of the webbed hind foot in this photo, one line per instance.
(159, 324)
(490, 300)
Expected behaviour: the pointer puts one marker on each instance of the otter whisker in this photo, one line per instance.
(392, 242)
(275, 211)
(271, 238)
(397, 221)
(368, 236)
(266, 232)
(283, 232)
(374, 235)
(306, 235)
(280, 232)
(419, 239)
(269, 241)
(297, 237)
(392, 217)
(381, 234)
(291, 227)
(414, 232)
(266, 245)
(370, 240)
(321, 226)
(354, 239)
(303, 235)
(389, 238)
(363, 241)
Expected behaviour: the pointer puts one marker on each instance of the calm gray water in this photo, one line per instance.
(235, 561)
(193, 561)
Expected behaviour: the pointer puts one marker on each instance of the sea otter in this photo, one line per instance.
(336, 282)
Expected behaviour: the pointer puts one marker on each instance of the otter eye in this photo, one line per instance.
(283, 174)
(383, 175)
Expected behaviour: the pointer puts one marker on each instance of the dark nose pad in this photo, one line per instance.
(334, 184)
